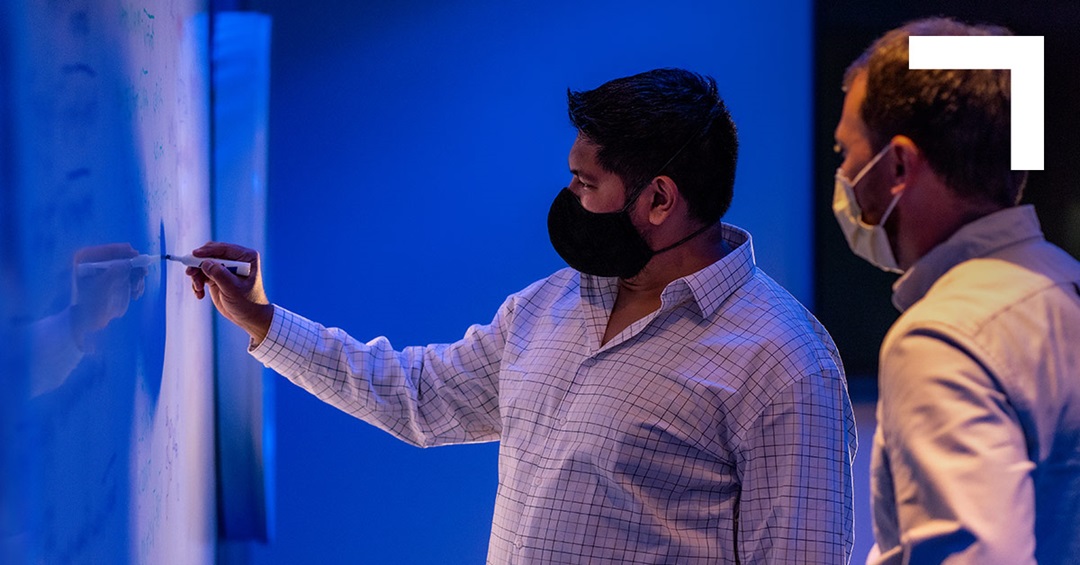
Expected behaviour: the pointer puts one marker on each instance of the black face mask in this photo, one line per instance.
(604, 244)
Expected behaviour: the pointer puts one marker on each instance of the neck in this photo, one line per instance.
(935, 225)
(640, 295)
(694, 252)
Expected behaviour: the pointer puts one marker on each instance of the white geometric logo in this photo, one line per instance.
(1022, 55)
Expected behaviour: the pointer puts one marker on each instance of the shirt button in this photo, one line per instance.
(536, 482)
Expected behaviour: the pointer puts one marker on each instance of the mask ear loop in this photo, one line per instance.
(889, 210)
(637, 192)
(683, 240)
(862, 173)
(870, 165)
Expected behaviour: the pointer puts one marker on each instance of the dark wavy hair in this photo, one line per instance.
(663, 122)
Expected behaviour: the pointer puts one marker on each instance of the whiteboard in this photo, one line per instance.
(108, 440)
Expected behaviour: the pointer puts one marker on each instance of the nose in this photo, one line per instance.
(847, 169)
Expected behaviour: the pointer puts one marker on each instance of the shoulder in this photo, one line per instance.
(978, 295)
(1004, 312)
(563, 282)
(771, 338)
(557, 291)
(788, 362)
(765, 310)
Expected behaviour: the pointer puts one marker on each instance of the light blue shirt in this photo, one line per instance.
(977, 454)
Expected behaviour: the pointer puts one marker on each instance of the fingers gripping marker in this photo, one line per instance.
(238, 268)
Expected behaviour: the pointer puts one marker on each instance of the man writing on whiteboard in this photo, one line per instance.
(663, 400)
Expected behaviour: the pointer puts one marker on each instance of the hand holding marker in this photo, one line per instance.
(241, 300)
(239, 268)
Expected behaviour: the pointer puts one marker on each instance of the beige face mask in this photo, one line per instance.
(869, 242)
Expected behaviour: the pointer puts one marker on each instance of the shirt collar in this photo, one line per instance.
(708, 288)
(980, 238)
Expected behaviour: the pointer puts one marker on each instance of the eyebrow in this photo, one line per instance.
(583, 175)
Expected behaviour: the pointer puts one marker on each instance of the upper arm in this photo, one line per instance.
(796, 504)
(957, 455)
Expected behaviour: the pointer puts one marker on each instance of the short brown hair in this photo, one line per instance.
(960, 119)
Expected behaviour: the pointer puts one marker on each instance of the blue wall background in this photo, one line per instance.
(415, 147)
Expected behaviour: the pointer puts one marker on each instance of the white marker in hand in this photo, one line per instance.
(239, 268)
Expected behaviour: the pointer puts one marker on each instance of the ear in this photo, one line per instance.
(663, 196)
(909, 163)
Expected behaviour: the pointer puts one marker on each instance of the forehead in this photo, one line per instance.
(851, 126)
(583, 153)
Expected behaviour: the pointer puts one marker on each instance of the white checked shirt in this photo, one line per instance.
(715, 430)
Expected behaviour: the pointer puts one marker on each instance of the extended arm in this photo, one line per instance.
(423, 395)
(426, 396)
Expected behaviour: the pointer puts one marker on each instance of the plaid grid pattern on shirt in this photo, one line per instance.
(717, 429)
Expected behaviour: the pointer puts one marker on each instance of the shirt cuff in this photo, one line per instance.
(289, 345)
